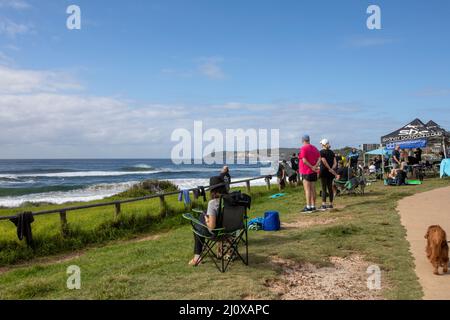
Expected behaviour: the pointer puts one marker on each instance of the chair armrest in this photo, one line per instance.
(190, 217)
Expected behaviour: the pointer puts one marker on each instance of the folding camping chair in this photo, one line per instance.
(231, 231)
(355, 186)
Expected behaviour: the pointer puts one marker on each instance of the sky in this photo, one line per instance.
(139, 69)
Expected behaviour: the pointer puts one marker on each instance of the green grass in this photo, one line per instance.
(85, 227)
(157, 269)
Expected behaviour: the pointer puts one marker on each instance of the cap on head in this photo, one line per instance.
(306, 138)
(324, 142)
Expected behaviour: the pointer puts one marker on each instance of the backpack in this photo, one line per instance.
(271, 221)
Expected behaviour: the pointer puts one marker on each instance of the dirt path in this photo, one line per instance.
(417, 213)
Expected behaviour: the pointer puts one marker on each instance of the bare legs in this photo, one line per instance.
(310, 193)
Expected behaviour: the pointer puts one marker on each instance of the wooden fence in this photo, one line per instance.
(117, 204)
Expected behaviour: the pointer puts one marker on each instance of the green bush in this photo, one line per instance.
(147, 188)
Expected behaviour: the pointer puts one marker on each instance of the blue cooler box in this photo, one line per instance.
(271, 221)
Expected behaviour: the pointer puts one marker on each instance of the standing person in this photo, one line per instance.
(281, 175)
(353, 157)
(418, 155)
(378, 162)
(309, 159)
(396, 158)
(404, 156)
(294, 162)
(225, 175)
(328, 165)
(338, 157)
(294, 166)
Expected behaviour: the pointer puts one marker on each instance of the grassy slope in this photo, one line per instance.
(157, 269)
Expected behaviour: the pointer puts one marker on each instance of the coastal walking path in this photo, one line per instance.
(417, 213)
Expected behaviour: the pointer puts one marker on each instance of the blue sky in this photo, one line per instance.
(139, 69)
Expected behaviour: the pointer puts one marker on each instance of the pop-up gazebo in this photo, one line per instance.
(416, 134)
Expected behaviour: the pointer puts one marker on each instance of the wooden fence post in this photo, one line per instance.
(247, 183)
(268, 183)
(64, 227)
(163, 205)
(117, 205)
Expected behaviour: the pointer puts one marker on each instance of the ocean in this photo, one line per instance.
(61, 181)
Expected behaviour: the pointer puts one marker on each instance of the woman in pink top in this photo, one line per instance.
(309, 160)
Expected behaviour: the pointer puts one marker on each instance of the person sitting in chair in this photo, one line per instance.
(208, 218)
(392, 174)
(397, 176)
(343, 173)
(372, 168)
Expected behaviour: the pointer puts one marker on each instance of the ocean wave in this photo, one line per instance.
(16, 191)
(138, 168)
(77, 174)
(15, 181)
(98, 192)
(90, 193)
(194, 183)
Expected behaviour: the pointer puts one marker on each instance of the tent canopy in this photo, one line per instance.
(434, 126)
(413, 135)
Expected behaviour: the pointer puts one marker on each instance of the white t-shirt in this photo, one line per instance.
(213, 207)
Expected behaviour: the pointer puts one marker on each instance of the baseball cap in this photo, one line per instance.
(324, 142)
(306, 138)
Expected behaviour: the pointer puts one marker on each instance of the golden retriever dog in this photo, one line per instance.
(437, 248)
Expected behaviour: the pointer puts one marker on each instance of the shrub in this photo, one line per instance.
(147, 188)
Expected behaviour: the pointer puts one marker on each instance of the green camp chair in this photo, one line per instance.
(355, 185)
(230, 233)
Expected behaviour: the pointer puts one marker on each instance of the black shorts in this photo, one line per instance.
(310, 177)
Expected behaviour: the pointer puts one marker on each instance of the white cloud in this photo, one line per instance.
(12, 29)
(27, 81)
(12, 47)
(211, 68)
(5, 60)
(40, 116)
(79, 120)
(15, 4)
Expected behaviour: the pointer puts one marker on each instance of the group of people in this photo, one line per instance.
(311, 165)
(308, 166)
(399, 162)
(315, 164)
(402, 156)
